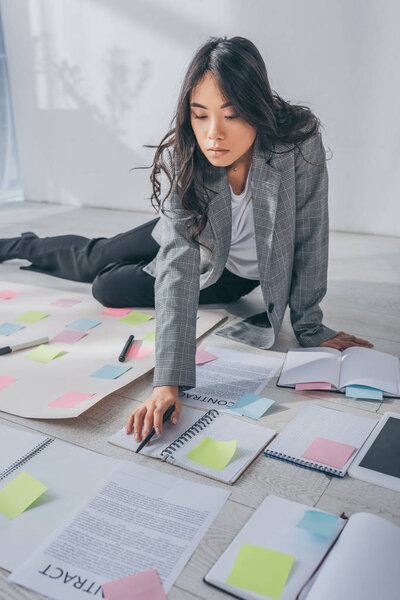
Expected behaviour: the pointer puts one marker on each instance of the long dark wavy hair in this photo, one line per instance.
(242, 78)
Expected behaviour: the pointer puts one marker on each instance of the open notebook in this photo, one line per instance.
(354, 366)
(194, 427)
(356, 568)
(312, 432)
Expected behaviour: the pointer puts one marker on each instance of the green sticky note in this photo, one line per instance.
(150, 337)
(135, 318)
(212, 453)
(19, 494)
(45, 353)
(32, 316)
(261, 570)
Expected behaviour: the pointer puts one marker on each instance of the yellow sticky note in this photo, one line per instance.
(212, 453)
(45, 353)
(19, 494)
(136, 318)
(150, 337)
(32, 316)
(261, 570)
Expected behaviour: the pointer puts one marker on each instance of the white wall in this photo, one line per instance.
(94, 80)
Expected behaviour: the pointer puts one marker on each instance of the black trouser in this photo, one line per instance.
(113, 265)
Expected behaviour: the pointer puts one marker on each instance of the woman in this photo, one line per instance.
(247, 206)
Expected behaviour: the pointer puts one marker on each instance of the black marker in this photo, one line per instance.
(125, 349)
(148, 437)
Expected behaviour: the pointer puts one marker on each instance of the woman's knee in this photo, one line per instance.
(125, 285)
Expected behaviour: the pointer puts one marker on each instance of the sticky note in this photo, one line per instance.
(150, 337)
(117, 312)
(329, 452)
(9, 328)
(141, 586)
(110, 372)
(313, 385)
(32, 316)
(260, 570)
(136, 318)
(65, 302)
(19, 494)
(362, 392)
(202, 356)
(69, 336)
(319, 522)
(212, 453)
(70, 399)
(83, 324)
(44, 353)
(140, 350)
(8, 294)
(5, 381)
(251, 405)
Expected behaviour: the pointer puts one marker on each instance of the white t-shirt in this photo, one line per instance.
(242, 258)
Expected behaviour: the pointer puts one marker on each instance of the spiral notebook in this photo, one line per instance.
(193, 427)
(313, 423)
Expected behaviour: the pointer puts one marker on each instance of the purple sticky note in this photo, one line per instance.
(5, 381)
(69, 336)
(117, 312)
(65, 302)
(141, 350)
(202, 356)
(141, 586)
(313, 385)
(329, 452)
(70, 399)
(8, 294)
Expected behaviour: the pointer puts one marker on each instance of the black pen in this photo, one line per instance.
(125, 349)
(166, 416)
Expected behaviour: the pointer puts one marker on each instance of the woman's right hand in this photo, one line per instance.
(150, 413)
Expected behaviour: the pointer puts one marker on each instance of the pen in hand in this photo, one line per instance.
(125, 349)
(148, 437)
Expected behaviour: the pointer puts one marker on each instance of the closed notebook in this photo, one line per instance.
(359, 557)
(353, 366)
(337, 429)
(196, 427)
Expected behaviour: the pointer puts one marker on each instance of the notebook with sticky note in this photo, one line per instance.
(361, 373)
(288, 550)
(323, 439)
(211, 443)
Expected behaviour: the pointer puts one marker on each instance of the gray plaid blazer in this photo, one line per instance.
(290, 203)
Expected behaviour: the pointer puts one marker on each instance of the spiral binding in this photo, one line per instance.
(303, 463)
(187, 435)
(24, 459)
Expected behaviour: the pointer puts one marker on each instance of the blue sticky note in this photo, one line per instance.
(318, 522)
(251, 405)
(9, 328)
(110, 371)
(363, 392)
(83, 324)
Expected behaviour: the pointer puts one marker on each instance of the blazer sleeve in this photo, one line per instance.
(310, 266)
(177, 289)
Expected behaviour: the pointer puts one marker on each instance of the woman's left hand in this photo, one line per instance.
(345, 340)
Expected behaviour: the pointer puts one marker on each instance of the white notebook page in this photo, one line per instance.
(363, 366)
(305, 365)
(364, 564)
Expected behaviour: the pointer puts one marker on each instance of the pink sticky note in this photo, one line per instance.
(69, 336)
(141, 586)
(65, 302)
(329, 452)
(202, 356)
(70, 399)
(5, 381)
(313, 385)
(8, 294)
(117, 312)
(140, 351)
